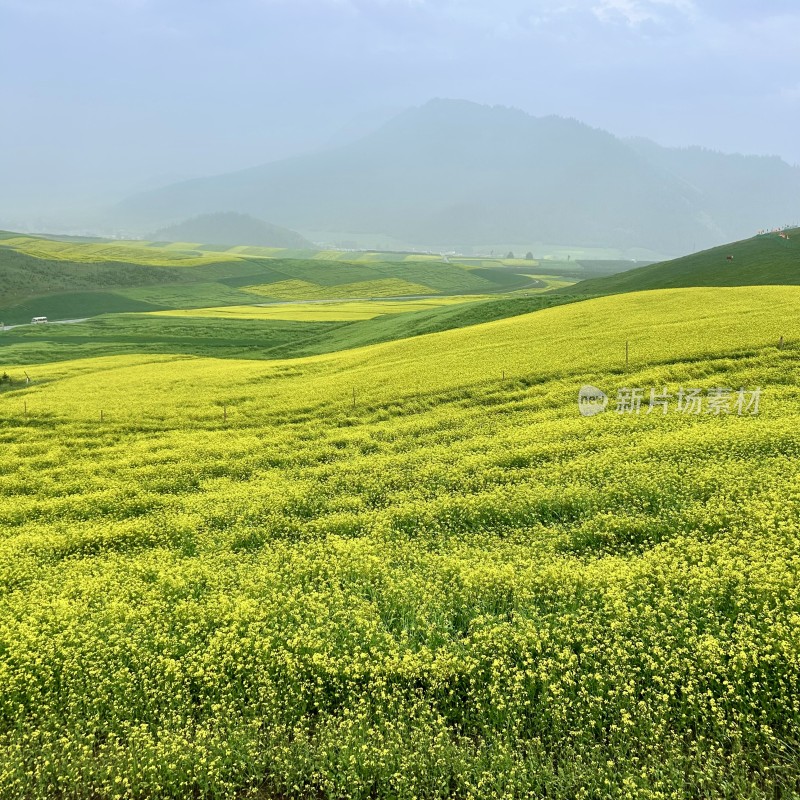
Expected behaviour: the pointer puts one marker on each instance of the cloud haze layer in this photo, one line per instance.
(106, 96)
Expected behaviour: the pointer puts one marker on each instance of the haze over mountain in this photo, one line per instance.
(230, 228)
(454, 173)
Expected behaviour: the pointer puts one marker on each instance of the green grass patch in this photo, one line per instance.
(768, 259)
(304, 290)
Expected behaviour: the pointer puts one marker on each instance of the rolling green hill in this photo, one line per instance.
(229, 228)
(247, 336)
(24, 274)
(767, 259)
(64, 279)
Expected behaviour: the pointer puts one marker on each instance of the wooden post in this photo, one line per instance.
(780, 344)
(354, 397)
(26, 408)
(101, 415)
(627, 354)
(225, 413)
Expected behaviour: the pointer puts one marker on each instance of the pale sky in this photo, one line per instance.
(103, 97)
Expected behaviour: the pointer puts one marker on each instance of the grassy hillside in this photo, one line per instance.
(64, 279)
(395, 572)
(765, 259)
(24, 275)
(393, 327)
(232, 229)
(67, 279)
(272, 332)
(129, 334)
(106, 252)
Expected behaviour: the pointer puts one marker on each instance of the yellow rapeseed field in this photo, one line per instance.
(333, 311)
(411, 570)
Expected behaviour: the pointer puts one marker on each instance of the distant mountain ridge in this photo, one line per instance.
(454, 173)
(231, 228)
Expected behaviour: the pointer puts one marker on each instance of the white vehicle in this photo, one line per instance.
(38, 320)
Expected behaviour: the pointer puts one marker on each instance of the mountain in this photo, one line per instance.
(732, 189)
(453, 173)
(769, 258)
(232, 229)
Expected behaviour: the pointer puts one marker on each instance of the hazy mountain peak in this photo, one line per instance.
(230, 228)
(457, 173)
